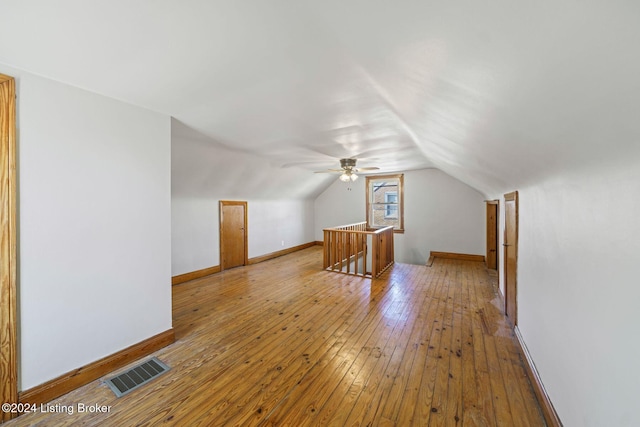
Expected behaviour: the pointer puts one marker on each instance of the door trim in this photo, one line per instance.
(246, 230)
(8, 252)
(511, 197)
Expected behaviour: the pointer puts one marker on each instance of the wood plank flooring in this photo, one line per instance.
(284, 343)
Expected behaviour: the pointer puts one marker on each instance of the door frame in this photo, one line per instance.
(8, 247)
(496, 226)
(222, 204)
(511, 197)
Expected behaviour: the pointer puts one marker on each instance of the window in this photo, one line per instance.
(385, 201)
(391, 201)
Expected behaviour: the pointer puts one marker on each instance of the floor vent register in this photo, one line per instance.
(136, 377)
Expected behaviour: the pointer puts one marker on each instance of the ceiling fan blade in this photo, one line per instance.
(330, 171)
(349, 168)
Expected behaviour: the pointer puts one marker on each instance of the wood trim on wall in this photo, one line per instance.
(181, 278)
(65, 383)
(548, 411)
(452, 255)
(276, 254)
(8, 253)
(511, 196)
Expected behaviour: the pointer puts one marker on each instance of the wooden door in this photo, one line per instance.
(492, 234)
(233, 234)
(511, 256)
(8, 252)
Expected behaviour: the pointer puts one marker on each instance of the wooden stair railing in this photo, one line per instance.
(346, 249)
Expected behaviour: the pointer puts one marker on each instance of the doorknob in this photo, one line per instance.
(506, 244)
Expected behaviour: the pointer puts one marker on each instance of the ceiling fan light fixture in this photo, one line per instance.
(348, 175)
(348, 170)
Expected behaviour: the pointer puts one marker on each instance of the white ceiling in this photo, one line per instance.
(496, 93)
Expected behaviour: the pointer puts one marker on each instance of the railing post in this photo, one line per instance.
(374, 255)
(325, 252)
(365, 241)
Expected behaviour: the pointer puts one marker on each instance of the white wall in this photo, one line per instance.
(94, 226)
(278, 224)
(579, 293)
(340, 204)
(441, 214)
(195, 242)
(196, 229)
(280, 201)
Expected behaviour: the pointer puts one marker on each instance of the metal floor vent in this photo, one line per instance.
(136, 377)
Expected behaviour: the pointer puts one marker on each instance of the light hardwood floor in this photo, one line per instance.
(285, 343)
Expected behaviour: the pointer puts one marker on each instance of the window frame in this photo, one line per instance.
(400, 203)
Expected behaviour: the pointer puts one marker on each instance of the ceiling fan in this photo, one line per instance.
(348, 170)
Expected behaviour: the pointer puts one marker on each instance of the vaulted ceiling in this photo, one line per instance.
(497, 94)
